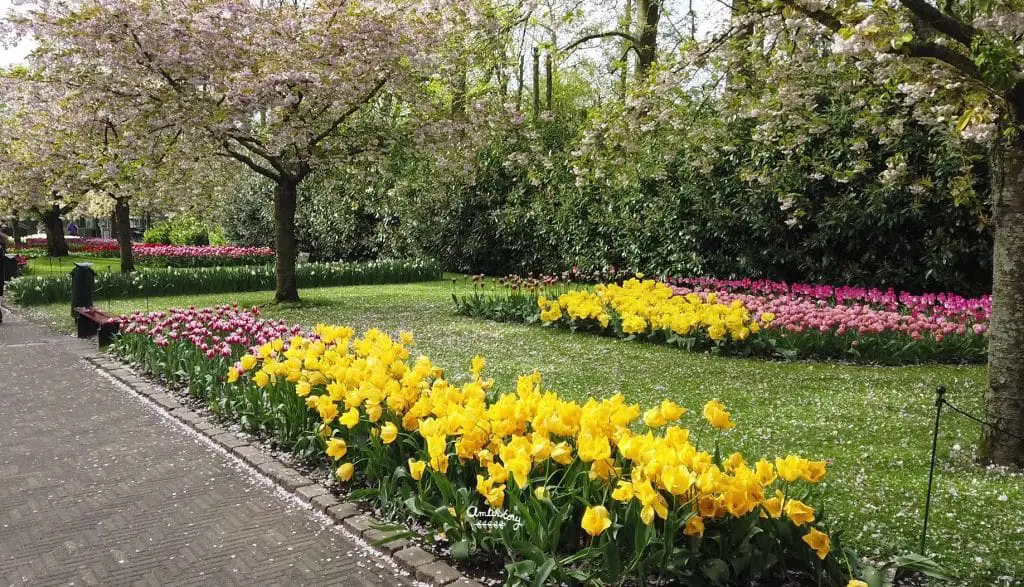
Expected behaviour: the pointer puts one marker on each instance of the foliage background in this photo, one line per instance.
(851, 187)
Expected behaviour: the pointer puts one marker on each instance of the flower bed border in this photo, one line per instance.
(422, 565)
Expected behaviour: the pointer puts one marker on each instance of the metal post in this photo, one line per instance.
(939, 399)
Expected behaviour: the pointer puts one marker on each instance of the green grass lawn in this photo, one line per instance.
(64, 265)
(873, 423)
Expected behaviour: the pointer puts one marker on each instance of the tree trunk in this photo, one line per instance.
(1004, 400)
(56, 245)
(519, 88)
(536, 82)
(647, 51)
(549, 82)
(627, 23)
(122, 223)
(14, 229)
(285, 200)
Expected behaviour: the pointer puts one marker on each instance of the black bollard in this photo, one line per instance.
(83, 280)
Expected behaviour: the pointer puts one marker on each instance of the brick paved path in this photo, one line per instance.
(97, 488)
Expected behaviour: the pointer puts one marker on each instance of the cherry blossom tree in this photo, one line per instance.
(65, 146)
(965, 57)
(278, 87)
(34, 166)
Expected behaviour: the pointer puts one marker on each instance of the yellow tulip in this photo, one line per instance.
(388, 433)
(814, 471)
(653, 418)
(232, 375)
(596, 520)
(346, 471)
(336, 448)
(716, 414)
(416, 469)
(799, 512)
(694, 526)
(623, 492)
(439, 464)
(819, 542)
(773, 507)
(671, 411)
(478, 365)
(351, 418)
(790, 468)
(261, 378)
(373, 412)
(248, 362)
(765, 472)
(497, 472)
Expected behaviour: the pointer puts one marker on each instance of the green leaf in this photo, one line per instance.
(716, 570)
(541, 578)
(460, 550)
(612, 562)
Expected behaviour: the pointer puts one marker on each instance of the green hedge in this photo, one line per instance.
(31, 290)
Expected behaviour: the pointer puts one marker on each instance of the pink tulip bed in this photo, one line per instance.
(854, 322)
(177, 343)
(158, 255)
(806, 321)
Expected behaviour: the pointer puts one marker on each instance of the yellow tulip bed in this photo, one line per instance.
(603, 491)
(648, 306)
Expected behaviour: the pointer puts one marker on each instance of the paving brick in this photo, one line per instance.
(165, 401)
(466, 582)
(379, 540)
(414, 556)
(130, 498)
(252, 455)
(437, 573)
(203, 425)
(287, 477)
(359, 524)
(229, 441)
(307, 492)
(324, 502)
(340, 512)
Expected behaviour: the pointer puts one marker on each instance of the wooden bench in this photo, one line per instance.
(90, 321)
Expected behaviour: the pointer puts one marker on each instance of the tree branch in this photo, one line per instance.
(249, 162)
(254, 145)
(940, 21)
(352, 110)
(149, 58)
(947, 55)
(632, 40)
(922, 50)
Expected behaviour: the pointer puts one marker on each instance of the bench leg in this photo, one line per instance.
(85, 327)
(107, 333)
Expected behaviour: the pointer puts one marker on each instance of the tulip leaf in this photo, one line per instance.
(613, 564)
(460, 550)
(541, 578)
(716, 570)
